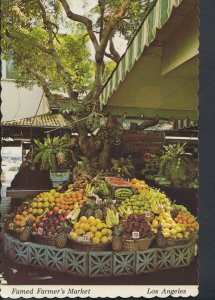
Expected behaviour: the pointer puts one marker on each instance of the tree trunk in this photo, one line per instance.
(104, 156)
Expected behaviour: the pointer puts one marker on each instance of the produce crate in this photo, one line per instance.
(136, 244)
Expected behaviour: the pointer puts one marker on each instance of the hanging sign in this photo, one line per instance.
(137, 141)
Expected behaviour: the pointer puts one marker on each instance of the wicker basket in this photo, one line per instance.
(136, 244)
(194, 236)
(163, 242)
(87, 246)
(45, 240)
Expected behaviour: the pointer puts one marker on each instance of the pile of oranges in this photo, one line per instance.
(20, 220)
(188, 221)
(70, 200)
(139, 185)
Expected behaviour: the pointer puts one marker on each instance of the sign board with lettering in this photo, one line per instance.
(139, 142)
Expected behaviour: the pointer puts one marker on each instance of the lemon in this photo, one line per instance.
(76, 226)
(166, 234)
(104, 239)
(179, 235)
(93, 229)
(86, 227)
(83, 219)
(104, 231)
(34, 211)
(74, 236)
(80, 231)
(110, 232)
(30, 209)
(96, 240)
(53, 191)
(91, 218)
(93, 222)
(100, 225)
(91, 234)
(98, 234)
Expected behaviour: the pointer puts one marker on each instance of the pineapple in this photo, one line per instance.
(60, 157)
(116, 240)
(26, 233)
(98, 214)
(89, 212)
(61, 239)
(112, 207)
(104, 211)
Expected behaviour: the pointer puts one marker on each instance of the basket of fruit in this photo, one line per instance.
(133, 234)
(136, 244)
(90, 234)
(163, 242)
(52, 229)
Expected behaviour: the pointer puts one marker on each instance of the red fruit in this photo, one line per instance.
(49, 213)
(61, 219)
(136, 225)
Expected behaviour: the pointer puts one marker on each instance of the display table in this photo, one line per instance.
(94, 264)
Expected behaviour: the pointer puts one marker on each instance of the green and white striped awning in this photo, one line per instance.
(155, 20)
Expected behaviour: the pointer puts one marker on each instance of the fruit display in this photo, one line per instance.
(103, 211)
(91, 230)
(188, 221)
(117, 182)
(149, 200)
(139, 185)
(136, 226)
(51, 224)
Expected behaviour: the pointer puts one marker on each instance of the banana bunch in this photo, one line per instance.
(73, 215)
(89, 189)
(124, 212)
(181, 208)
(156, 207)
(112, 218)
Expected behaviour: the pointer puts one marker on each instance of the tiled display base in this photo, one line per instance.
(97, 264)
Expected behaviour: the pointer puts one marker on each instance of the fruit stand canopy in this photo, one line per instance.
(158, 74)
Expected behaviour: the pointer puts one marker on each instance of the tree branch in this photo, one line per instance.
(113, 51)
(28, 67)
(81, 19)
(65, 75)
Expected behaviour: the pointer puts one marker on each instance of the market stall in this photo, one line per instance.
(115, 222)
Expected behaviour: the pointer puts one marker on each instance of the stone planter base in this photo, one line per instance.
(97, 264)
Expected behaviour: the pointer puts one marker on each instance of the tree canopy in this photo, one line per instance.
(66, 54)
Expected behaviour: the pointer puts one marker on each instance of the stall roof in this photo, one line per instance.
(159, 75)
(42, 121)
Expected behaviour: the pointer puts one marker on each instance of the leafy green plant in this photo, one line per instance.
(123, 165)
(46, 152)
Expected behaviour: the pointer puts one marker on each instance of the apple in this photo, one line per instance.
(49, 213)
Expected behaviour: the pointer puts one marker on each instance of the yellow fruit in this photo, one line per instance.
(45, 204)
(34, 211)
(83, 219)
(91, 234)
(30, 209)
(98, 221)
(53, 191)
(173, 231)
(104, 239)
(166, 234)
(96, 240)
(91, 218)
(40, 211)
(80, 231)
(186, 234)
(76, 226)
(104, 231)
(34, 204)
(155, 223)
(39, 204)
(98, 234)
(167, 230)
(110, 232)
(92, 222)
(24, 213)
(93, 229)
(179, 235)
(51, 198)
(100, 225)
(74, 236)
(86, 227)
